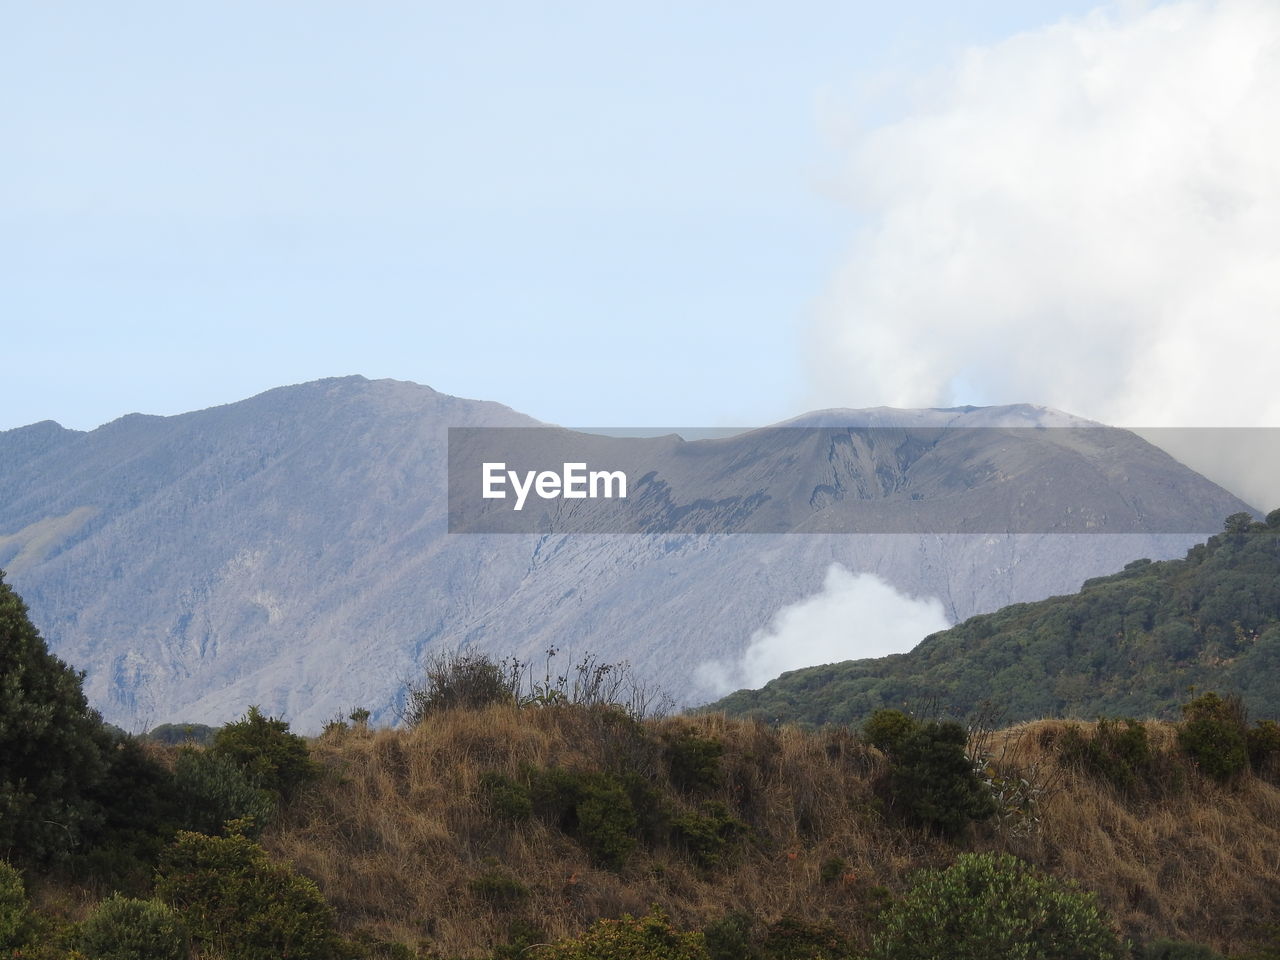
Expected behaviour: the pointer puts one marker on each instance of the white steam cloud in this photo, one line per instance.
(1085, 216)
(852, 616)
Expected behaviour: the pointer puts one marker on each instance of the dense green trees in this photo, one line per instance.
(52, 746)
(1129, 644)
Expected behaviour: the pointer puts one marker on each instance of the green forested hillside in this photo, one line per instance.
(1130, 644)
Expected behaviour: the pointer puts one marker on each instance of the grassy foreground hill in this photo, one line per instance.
(420, 834)
(1130, 644)
(510, 826)
(484, 832)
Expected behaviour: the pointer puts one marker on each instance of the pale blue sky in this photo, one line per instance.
(595, 212)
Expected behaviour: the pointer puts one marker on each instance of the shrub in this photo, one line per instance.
(832, 869)
(650, 937)
(275, 759)
(595, 808)
(1119, 753)
(708, 837)
(124, 929)
(213, 789)
(729, 938)
(931, 779)
(239, 902)
(13, 906)
(176, 734)
(506, 799)
(794, 939)
(887, 729)
(461, 680)
(51, 743)
(693, 761)
(498, 889)
(1263, 746)
(1177, 950)
(994, 907)
(606, 821)
(1212, 733)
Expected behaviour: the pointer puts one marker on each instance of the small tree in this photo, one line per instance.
(239, 902)
(51, 744)
(275, 759)
(650, 937)
(1213, 733)
(124, 929)
(995, 907)
(13, 907)
(931, 779)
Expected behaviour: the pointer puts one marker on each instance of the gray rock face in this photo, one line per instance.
(291, 550)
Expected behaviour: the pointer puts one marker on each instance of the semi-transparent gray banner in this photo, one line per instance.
(837, 479)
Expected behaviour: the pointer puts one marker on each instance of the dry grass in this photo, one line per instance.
(399, 829)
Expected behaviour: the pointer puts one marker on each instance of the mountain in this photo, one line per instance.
(1130, 644)
(292, 550)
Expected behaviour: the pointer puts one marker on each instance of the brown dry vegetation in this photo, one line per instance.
(400, 827)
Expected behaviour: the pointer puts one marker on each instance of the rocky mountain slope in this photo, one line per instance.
(291, 550)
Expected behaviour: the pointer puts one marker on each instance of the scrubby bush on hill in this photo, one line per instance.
(1120, 753)
(236, 900)
(176, 734)
(123, 929)
(995, 907)
(1177, 950)
(13, 906)
(1213, 733)
(51, 744)
(650, 937)
(931, 779)
(274, 759)
(213, 789)
(461, 680)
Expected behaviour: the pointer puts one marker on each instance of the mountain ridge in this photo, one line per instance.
(291, 550)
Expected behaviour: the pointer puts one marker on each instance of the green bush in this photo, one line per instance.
(124, 929)
(498, 889)
(832, 869)
(650, 937)
(606, 821)
(693, 762)
(595, 808)
(275, 759)
(176, 734)
(1119, 753)
(213, 789)
(1177, 950)
(995, 907)
(461, 680)
(1212, 733)
(887, 729)
(931, 780)
(1263, 746)
(237, 901)
(708, 837)
(51, 744)
(793, 939)
(729, 938)
(505, 798)
(13, 906)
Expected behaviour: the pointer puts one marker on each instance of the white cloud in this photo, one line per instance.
(1085, 216)
(852, 616)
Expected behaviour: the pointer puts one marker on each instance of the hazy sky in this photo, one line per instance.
(643, 213)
